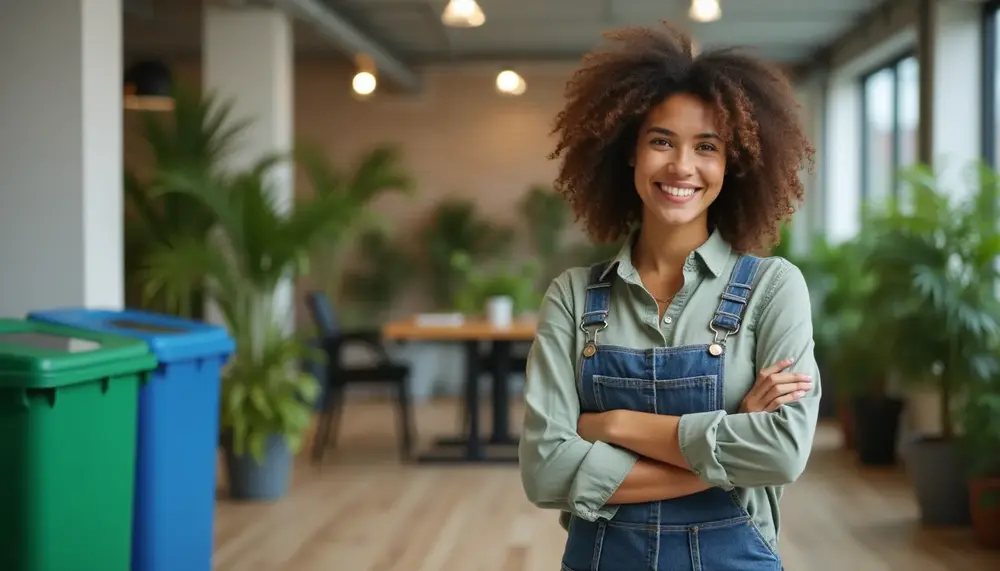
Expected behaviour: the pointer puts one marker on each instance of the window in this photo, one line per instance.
(889, 114)
(991, 87)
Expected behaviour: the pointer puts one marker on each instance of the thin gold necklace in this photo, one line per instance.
(665, 301)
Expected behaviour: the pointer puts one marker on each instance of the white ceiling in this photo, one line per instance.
(782, 30)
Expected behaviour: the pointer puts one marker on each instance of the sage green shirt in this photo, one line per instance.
(755, 453)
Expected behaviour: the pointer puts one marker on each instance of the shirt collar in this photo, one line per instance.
(714, 254)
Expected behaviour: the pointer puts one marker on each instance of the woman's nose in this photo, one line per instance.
(681, 164)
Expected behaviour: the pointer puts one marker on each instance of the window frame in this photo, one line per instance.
(891, 64)
(990, 77)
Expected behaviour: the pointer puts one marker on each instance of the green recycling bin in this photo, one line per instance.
(68, 406)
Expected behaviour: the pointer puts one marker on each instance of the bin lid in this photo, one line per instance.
(170, 338)
(44, 355)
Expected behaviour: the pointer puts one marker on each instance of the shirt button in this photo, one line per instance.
(668, 320)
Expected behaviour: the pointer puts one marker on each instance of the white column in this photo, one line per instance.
(809, 220)
(249, 59)
(842, 163)
(60, 154)
(956, 96)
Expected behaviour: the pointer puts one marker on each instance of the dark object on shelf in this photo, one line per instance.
(149, 86)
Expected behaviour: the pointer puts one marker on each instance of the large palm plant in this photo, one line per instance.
(936, 265)
(254, 247)
(195, 138)
(378, 173)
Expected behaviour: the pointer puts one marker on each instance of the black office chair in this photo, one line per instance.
(337, 377)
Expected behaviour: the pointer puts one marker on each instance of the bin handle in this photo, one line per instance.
(49, 395)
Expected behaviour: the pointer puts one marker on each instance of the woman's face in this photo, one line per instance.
(679, 162)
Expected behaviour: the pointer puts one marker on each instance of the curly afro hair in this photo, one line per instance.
(609, 97)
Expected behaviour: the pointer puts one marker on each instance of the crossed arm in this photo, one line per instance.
(662, 471)
(589, 464)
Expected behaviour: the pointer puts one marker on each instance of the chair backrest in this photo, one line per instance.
(323, 314)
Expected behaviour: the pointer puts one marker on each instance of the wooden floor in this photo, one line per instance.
(363, 511)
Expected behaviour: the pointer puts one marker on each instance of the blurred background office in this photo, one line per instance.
(409, 240)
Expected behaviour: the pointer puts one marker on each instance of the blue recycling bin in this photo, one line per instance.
(178, 433)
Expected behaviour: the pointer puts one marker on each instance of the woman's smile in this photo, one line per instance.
(677, 192)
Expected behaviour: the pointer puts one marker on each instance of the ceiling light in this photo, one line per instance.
(705, 10)
(364, 83)
(510, 83)
(148, 87)
(463, 14)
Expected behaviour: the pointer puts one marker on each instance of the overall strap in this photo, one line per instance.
(596, 306)
(734, 299)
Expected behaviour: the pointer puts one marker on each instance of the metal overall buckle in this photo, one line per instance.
(590, 337)
(718, 345)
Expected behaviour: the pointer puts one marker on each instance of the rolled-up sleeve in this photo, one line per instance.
(763, 448)
(559, 469)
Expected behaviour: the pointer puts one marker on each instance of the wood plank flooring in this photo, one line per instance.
(363, 511)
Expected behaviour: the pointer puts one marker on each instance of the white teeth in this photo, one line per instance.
(673, 190)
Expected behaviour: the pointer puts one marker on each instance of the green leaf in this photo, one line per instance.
(260, 401)
(294, 442)
(256, 444)
(235, 397)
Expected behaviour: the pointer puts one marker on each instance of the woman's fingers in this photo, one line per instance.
(786, 388)
(775, 368)
(793, 386)
(775, 387)
(760, 385)
(784, 399)
(786, 378)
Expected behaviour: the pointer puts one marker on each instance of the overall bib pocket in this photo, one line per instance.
(667, 396)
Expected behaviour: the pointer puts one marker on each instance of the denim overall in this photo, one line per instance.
(708, 531)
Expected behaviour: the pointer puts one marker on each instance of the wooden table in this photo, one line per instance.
(469, 446)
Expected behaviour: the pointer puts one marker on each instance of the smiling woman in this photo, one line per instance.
(672, 391)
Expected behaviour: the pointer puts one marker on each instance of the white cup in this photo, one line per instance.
(500, 311)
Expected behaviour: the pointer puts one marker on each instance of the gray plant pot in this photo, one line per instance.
(937, 471)
(266, 480)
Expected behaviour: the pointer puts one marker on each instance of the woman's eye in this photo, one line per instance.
(660, 142)
(706, 147)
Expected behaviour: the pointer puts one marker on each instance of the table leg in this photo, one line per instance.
(471, 448)
(500, 365)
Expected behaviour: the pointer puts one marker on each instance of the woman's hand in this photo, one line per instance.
(774, 388)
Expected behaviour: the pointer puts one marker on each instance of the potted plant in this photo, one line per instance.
(455, 227)
(935, 262)
(979, 419)
(255, 247)
(195, 137)
(501, 294)
(870, 415)
(857, 371)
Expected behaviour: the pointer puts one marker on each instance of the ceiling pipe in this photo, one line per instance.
(353, 41)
